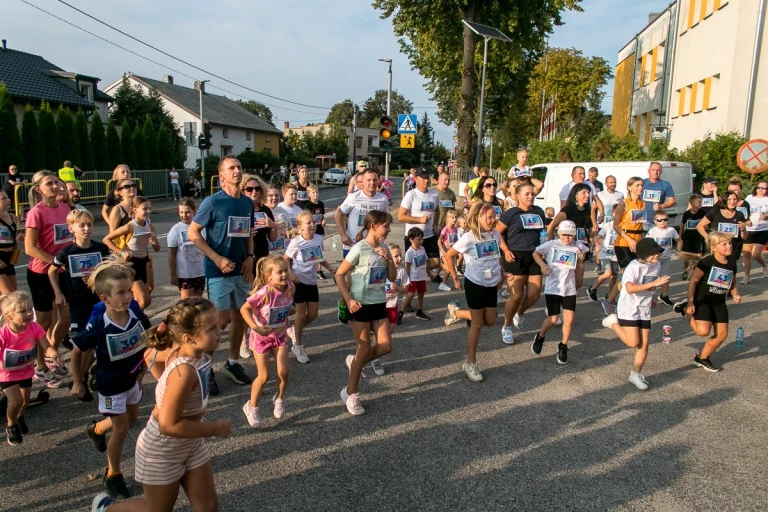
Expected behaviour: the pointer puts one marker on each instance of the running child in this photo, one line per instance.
(317, 208)
(20, 339)
(370, 264)
(448, 236)
(667, 238)
(171, 451)
(461, 228)
(416, 267)
(393, 291)
(185, 260)
(142, 235)
(287, 210)
(116, 338)
(632, 320)
(266, 312)
(305, 254)
(480, 247)
(690, 241)
(604, 246)
(706, 311)
(557, 259)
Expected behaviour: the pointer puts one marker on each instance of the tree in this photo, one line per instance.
(114, 148)
(10, 141)
(140, 146)
(446, 53)
(84, 140)
(126, 143)
(98, 143)
(714, 156)
(376, 106)
(165, 148)
(343, 112)
(69, 143)
(132, 105)
(337, 143)
(34, 156)
(49, 137)
(259, 109)
(150, 140)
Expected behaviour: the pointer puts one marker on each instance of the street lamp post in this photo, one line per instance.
(202, 151)
(388, 155)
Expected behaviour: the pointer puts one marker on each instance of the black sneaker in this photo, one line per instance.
(422, 315)
(679, 307)
(13, 433)
(562, 353)
(592, 294)
(538, 342)
(213, 387)
(116, 487)
(98, 440)
(665, 300)
(236, 373)
(400, 317)
(23, 425)
(321, 275)
(705, 363)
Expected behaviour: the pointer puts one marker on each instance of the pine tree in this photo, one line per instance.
(140, 145)
(30, 139)
(165, 147)
(98, 143)
(50, 138)
(114, 149)
(150, 140)
(69, 143)
(10, 142)
(126, 142)
(86, 151)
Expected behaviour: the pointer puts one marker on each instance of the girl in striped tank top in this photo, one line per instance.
(171, 450)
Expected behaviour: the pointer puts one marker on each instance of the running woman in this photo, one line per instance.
(185, 260)
(757, 233)
(726, 218)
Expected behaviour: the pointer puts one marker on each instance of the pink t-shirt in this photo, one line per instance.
(53, 234)
(387, 189)
(449, 236)
(271, 307)
(18, 352)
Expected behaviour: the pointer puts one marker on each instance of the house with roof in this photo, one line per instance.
(234, 129)
(30, 79)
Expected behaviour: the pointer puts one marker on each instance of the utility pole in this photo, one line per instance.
(202, 151)
(354, 138)
(388, 154)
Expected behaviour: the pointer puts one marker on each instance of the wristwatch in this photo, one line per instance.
(250, 256)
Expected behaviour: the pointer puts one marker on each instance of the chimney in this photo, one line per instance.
(5, 46)
(653, 17)
(286, 126)
(199, 86)
(168, 79)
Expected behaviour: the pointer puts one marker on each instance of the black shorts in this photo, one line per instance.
(753, 237)
(624, 256)
(9, 269)
(638, 324)
(716, 313)
(556, 302)
(479, 296)
(23, 383)
(306, 293)
(192, 283)
(370, 313)
(139, 265)
(42, 292)
(524, 264)
(430, 246)
(693, 245)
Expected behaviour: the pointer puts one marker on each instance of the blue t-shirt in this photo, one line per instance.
(650, 194)
(227, 223)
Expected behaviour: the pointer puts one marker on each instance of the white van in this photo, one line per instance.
(556, 175)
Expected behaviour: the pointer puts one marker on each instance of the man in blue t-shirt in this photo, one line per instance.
(228, 249)
(657, 193)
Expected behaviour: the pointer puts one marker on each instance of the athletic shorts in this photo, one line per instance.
(227, 292)
(306, 293)
(9, 269)
(716, 313)
(417, 287)
(557, 302)
(753, 237)
(139, 265)
(80, 310)
(192, 283)
(163, 460)
(22, 383)
(115, 405)
(478, 296)
(693, 245)
(42, 292)
(370, 313)
(429, 244)
(524, 264)
(392, 315)
(638, 324)
(624, 256)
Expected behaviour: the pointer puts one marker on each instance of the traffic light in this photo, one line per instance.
(205, 138)
(385, 133)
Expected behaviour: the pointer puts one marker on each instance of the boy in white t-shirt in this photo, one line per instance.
(604, 245)
(416, 268)
(287, 210)
(666, 237)
(557, 259)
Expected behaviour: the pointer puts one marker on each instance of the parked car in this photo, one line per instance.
(336, 176)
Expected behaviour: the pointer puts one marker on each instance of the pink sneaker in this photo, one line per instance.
(353, 405)
(279, 407)
(251, 414)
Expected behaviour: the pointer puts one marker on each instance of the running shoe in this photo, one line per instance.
(610, 320)
(251, 414)
(343, 312)
(378, 369)
(684, 276)
(598, 270)
(745, 280)
(48, 377)
(592, 294)
(213, 386)
(680, 307)
(423, 316)
(348, 361)
(538, 343)
(101, 502)
(437, 279)
(400, 317)
(450, 315)
(344, 394)
(245, 351)
(321, 275)
(279, 409)
(444, 287)
(354, 406)
(408, 308)
(518, 321)
(562, 353)
(236, 373)
(472, 371)
(705, 363)
(23, 425)
(300, 353)
(57, 366)
(98, 440)
(665, 300)
(607, 306)
(116, 486)
(505, 293)
(638, 380)
(506, 335)
(559, 320)
(13, 434)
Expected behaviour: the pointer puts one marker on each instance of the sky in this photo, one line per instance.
(314, 52)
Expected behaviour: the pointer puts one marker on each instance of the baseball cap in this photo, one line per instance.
(710, 180)
(422, 173)
(567, 227)
(362, 163)
(647, 247)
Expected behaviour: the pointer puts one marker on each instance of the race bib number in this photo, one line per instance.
(204, 376)
(361, 220)
(278, 316)
(427, 206)
(419, 260)
(652, 196)
(61, 234)
(446, 203)
(531, 221)
(728, 228)
(293, 222)
(81, 265)
(646, 280)
(664, 242)
(317, 218)
(720, 278)
(707, 202)
(487, 250)
(277, 245)
(753, 210)
(743, 211)
(609, 251)
(377, 276)
(312, 254)
(521, 173)
(302, 195)
(6, 237)
(581, 235)
(18, 359)
(691, 224)
(610, 240)
(184, 236)
(238, 227)
(638, 216)
(564, 258)
(126, 343)
(453, 238)
(260, 220)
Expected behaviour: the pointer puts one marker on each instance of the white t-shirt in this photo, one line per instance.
(287, 214)
(481, 257)
(357, 205)
(419, 204)
(757, 206)
(609, 200)
(637, 306)
(417, 258)
(306, 256)
(391, 291)
(608, 236)
(189, 259)
(566, 190)
(562, 260)
(666, 238)
(174, 177)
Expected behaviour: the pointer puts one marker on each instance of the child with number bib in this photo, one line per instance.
(266, 312)
(604, 241)
(666, 237)
(393, 291)
(691, 243)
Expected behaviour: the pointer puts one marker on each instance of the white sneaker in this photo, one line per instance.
(450, 316)
(505, 293)
(506, 335)
(518, 321)
(251, 414)
(610, 320)
(638, 380)
(559, 319)
(745, 280)
(101, 502)
(245, 352)
(378, 369)
(472, 371)
(300, 353)
(344, 394)
(348, 361)
(279, 409)
(444, 287)
(353, 405)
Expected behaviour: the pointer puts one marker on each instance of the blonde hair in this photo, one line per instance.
(117, 170)
(184, 317)
(303, 214)
(715, 238)
(75, 215)
(394, 247)
(264, 269)
(13, 302)
(473, 219)
(631, 181)
(34, 191)
(259, 183)
(312, 186)
(105, 274)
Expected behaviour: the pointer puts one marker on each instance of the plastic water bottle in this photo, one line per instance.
(335, 242)
(740, 337)
(666, 337)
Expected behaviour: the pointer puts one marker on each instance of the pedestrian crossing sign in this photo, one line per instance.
(407, 141)
(406, 123)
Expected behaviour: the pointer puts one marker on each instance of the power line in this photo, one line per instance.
(185, 62)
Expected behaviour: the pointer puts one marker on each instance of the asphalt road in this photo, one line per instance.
(533, 436)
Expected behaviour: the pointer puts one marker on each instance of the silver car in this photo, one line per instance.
(336, 176)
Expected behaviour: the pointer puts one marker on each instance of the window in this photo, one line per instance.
(225, 150)
(248, 135)
(681, 102)
(709, 100)
(225, 133)
(692, 89)
(358, 142)
(86, 90)
(266, 137)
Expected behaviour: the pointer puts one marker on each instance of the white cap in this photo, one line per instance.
(566, 227)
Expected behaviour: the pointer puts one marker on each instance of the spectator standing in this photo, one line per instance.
(11, 182)
(175, 189)
(658, 194)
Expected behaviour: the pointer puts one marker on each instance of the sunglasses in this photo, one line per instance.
(662, 220)
(763, 188)
(489, 185)
(251, 189)
(130, 185)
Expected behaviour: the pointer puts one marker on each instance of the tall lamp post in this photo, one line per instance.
(202, 151)
(388, 155)
(487, 33)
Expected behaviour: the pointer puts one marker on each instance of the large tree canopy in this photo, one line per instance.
(376, 106)
(258, 108)
(342, 113)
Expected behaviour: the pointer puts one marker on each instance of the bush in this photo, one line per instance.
(715, 157)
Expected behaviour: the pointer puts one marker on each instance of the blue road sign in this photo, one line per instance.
(406, 123)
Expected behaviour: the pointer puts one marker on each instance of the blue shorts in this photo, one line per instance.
(344, 253)
(227, 292)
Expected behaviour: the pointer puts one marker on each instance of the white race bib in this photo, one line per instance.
(126, 343)
(238, 227)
